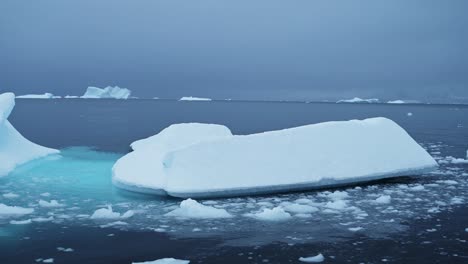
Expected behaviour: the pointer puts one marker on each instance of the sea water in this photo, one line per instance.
(93, 134)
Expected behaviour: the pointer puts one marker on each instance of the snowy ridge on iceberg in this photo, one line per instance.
(14, 148)
(108, 92)
(142, 169)
(302, 158)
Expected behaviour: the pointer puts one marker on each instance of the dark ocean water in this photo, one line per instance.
(416, 227)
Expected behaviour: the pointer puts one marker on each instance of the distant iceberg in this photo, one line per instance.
(404, 102)
(38, 96)
(14, 148)
(302, 158)
(359, 100)
(190, 98)
(142, 169)
(108, 92)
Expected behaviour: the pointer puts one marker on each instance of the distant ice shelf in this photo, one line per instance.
(191, 98)
(218, 164)
(38, 96)
(14, 148)
(108, 92)
(359, 100)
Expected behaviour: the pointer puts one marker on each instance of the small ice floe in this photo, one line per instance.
(10, 195)
(409, 114)
(46, 194)
(275, 214)
(355, 229)
(191, 98)
(165, 261)
(336, 195)
(466, 229)
(49, 260)
(109, 214)
(192, 209)
(431, 230)
(51, 204)
(299, 208)
(43, 219)
(448, 182)
(6, 210)
(417, 187)
(62, 249)
(315, 259)
(456, 200)
(117, 223)
(20, 222)
(384, 199)
(337, 205)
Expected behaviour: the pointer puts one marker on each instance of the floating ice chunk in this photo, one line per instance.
(108, 92)
(20, 222)
(192, 209)
(275, 214)
(37, 96)
(191, 98)
(62, 249)
(337, 195)
(359, 100)
(315, 259)
(448, 182)
(418, 187)
(337, 205)
(355, 229)
(142, 169)
(14, 148)
(165, 261)
(71, 96)
(49, 260)
(299, 208)
(312, 156)
(109, 214)
(409, 114)
(6, 210)
(384, 199)
(10, 195)
(43, 219)
(117, 223)
(46, 194)
(51, 204)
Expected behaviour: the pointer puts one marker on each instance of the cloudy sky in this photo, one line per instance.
(243, 49)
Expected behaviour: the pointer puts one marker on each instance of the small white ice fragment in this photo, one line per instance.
(275, 214)
(384, 199)
(314, 259)
(20, 222)
(355, 229)
(109, 214)
(6, 210)
(192, 209)
(10, 195)
(51, 204)
(165, 261)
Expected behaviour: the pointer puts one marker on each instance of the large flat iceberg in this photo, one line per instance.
(359, 100)
(108, 92)
(191, 98)
(302, 158)
(142, 169)
(14, 148)
(38, 96)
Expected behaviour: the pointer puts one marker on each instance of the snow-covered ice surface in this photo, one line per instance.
(301, 158)
(14, 148)
(108, 92)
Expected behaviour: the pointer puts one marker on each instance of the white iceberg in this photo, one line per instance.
(302, 158)
(315, 259)
(165, 261)
(108, 92)
(202, 160)
(109, 214)
(14, 148)
(38, 96)
(396, 102)
(6, 210)
(359, 100)
(191, 98)
(142, 169)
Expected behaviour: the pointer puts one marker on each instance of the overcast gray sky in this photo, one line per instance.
(242, 49)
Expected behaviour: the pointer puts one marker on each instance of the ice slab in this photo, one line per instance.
(108, 92)
(142, 169)
(165, 261)
(302, 158)
(14, 148)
